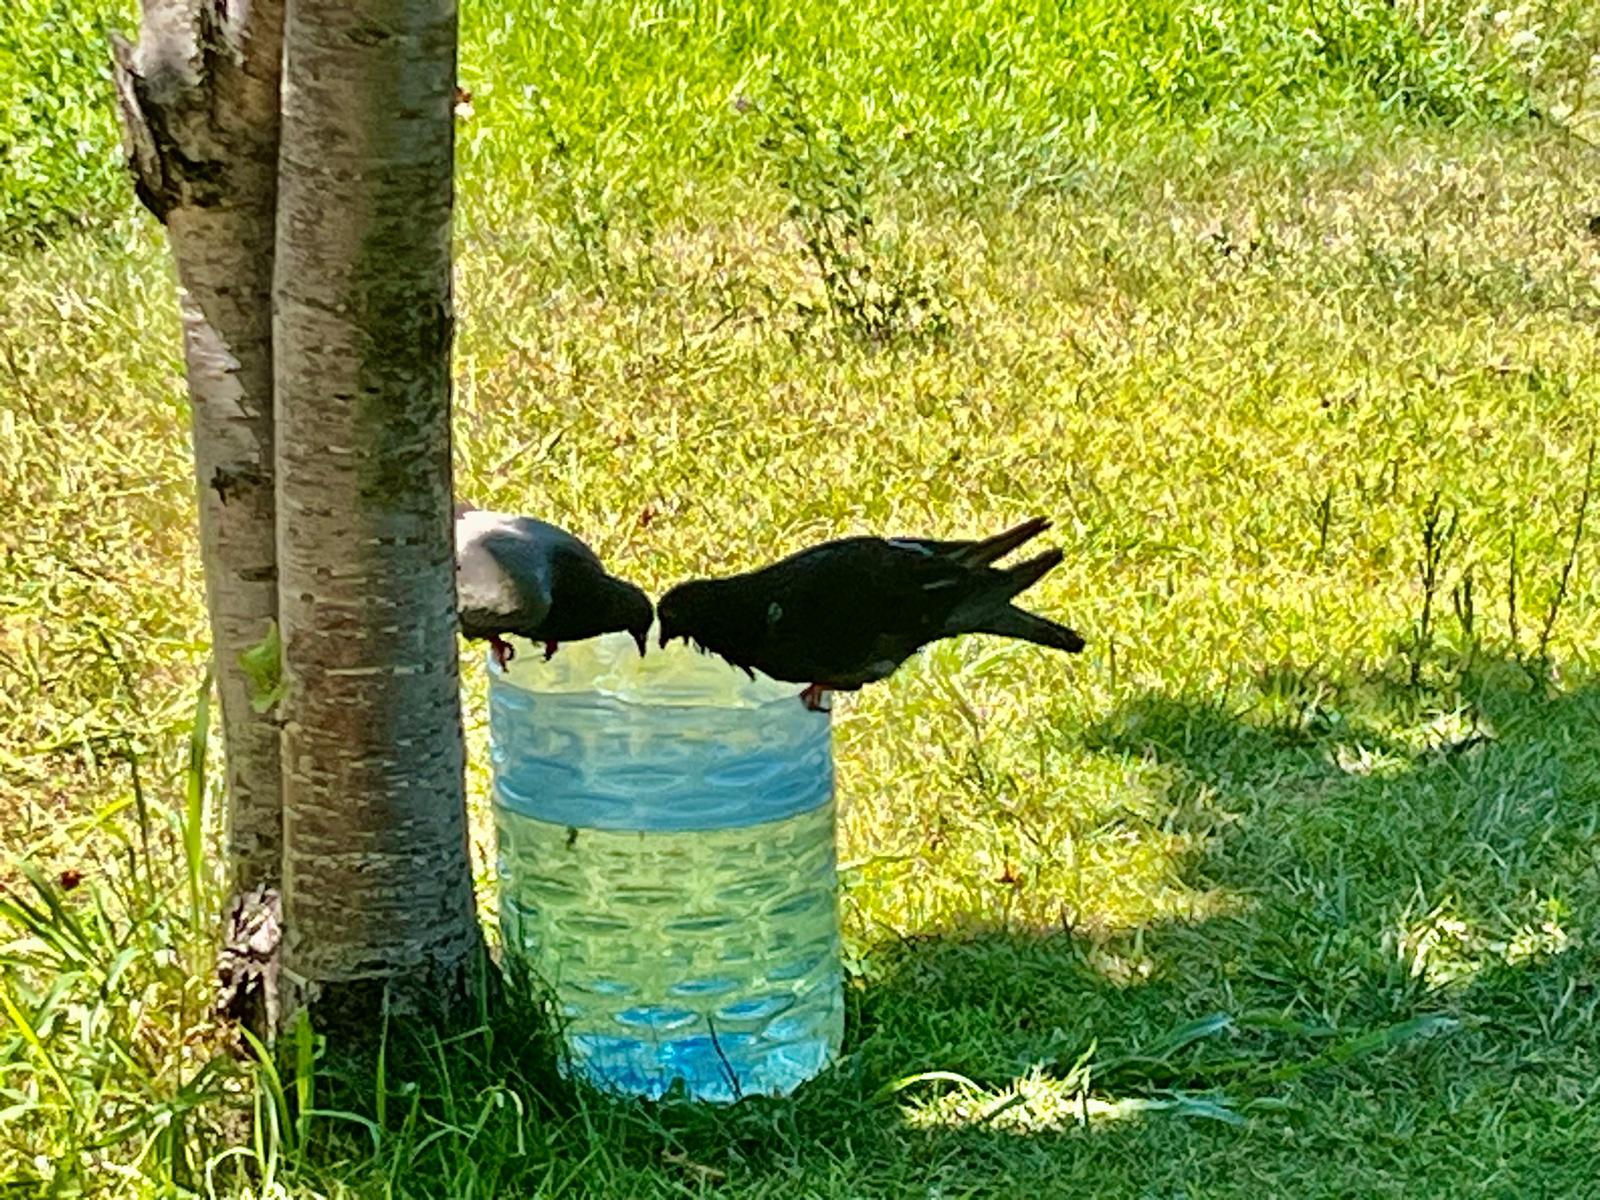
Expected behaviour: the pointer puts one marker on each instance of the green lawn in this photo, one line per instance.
(1270, 892)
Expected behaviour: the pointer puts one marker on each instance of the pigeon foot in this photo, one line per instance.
(502, 651)
(813, 698)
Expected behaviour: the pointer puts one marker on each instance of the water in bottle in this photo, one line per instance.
(666, 861)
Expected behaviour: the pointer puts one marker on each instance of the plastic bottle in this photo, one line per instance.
(667, 868)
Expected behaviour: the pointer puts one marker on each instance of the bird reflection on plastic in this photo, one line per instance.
(667, 867)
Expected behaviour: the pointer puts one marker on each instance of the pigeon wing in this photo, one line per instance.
(503, 571)
(852, 611)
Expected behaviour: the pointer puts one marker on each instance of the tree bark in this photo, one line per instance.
(378, 902)
(198, 99)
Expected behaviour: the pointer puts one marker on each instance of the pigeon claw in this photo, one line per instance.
(502, 652)
(813, 698)
(549, 651)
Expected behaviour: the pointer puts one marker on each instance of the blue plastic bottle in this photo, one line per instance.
(667, 866)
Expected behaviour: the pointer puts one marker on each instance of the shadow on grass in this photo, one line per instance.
(1405, 990)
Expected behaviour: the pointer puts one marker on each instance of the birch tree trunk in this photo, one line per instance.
(377, 887)
(198, 99)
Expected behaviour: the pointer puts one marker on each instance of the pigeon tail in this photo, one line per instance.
(1001, 544)
(1013, 622)
(1024, 575)
(974, 554)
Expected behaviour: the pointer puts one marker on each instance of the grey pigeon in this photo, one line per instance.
(518, 575)
(849, 612)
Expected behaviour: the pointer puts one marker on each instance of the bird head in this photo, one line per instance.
(681, 611)
(609, 605)
(638, 615)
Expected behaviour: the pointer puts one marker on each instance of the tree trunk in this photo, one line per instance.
(377, 887)
(198, 98)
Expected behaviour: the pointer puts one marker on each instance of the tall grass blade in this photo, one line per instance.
(194, 812)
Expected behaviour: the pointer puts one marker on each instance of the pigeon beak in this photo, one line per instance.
(642, 640)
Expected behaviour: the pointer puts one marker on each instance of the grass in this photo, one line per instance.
(1273, 889)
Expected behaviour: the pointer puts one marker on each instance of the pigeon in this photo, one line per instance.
(518, 575)
(849, 612)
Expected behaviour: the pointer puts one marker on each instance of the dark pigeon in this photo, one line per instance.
(518, 575)
(849, 612)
